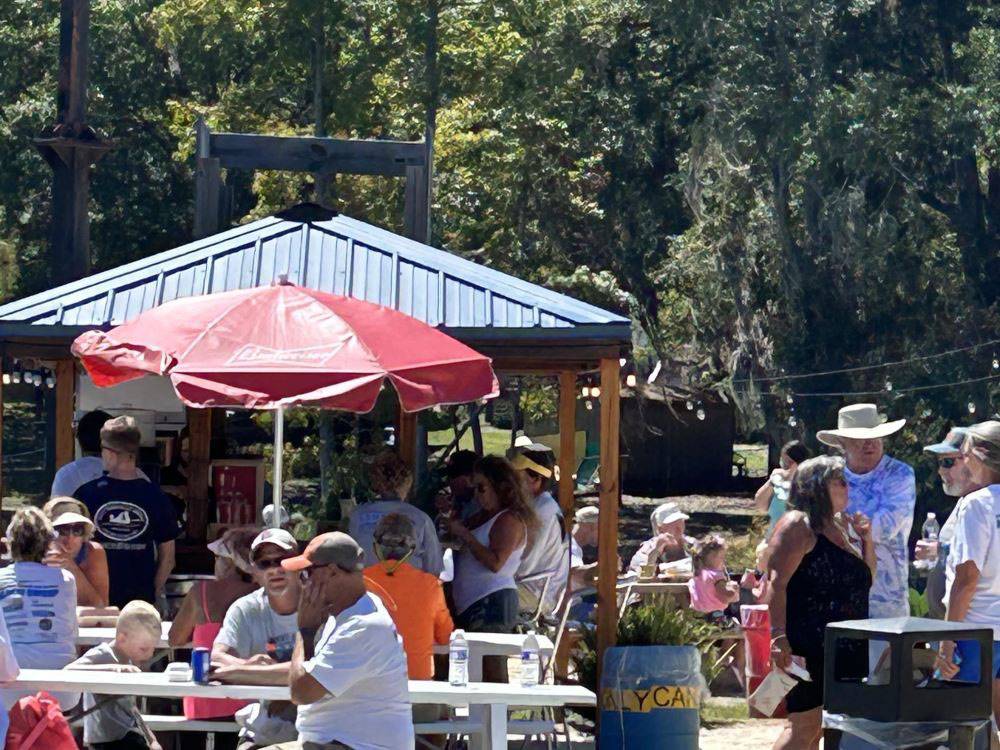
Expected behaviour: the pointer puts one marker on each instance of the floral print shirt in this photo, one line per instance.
(886, 495)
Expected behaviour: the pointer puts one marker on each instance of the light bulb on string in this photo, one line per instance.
(888, 384)
(589, 404)
(996, 363)
(622, 361)
(689, 405)
(926, 413)
(630, 380)
(6, 378)
(16, 377)
(585, 391)
(793, 421)
(971, 406)
(700, 413)
(595, 392)
(790, 399)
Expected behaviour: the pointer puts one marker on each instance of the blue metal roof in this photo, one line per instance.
(339, 255)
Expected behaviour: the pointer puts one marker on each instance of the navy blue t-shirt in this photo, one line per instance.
(132, 517)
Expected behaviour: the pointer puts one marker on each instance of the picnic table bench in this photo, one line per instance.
(494, 698)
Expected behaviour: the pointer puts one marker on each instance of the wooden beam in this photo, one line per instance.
(567, 443)
(199, 422)
(323, 155)
(65, 408)
(610, 490)
(406, 438)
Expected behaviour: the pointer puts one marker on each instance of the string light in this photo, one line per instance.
(589, 404)
(585, 391)
(689, 405)
(701, 412)
(996, 363)
(595, 392)
(630, 380)
(861, 368)
(16, 377)
(972, 407)
(790, 398)
(793, 421)
(6, 378)
(888, 385)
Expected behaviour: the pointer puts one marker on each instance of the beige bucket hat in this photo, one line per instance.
(859, 422)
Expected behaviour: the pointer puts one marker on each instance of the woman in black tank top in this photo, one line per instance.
(821, 569)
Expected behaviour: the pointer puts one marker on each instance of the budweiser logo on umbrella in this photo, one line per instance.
(264, 355)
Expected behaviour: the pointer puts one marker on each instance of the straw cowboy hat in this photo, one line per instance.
(859, 422)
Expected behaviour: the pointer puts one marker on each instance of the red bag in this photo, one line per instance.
(37, 723)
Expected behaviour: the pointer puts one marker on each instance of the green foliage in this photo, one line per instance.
(804, 186)
(653, 625)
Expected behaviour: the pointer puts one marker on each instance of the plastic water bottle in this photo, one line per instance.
(929, 532)
(529, 660)
(458, 659)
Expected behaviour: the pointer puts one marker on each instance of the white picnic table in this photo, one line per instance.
(480, 645)
(495, 698)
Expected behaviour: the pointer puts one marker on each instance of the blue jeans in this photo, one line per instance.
(968, 652)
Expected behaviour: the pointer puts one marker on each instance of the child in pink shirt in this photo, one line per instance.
(710, 588)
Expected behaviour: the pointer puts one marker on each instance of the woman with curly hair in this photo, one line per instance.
(75, 550)
(493, 539)
(38, 601)
(392, 480)
(821, 567)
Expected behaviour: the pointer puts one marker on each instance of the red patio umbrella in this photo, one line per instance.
(273, 347)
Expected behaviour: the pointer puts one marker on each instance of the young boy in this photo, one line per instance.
(117, 724)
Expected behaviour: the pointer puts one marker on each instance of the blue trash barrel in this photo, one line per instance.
(649, 699)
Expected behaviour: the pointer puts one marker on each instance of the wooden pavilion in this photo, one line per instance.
(525, 328)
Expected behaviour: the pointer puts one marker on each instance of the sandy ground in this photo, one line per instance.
(758, 734)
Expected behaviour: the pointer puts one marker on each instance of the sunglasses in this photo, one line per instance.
(268, 563)
(306, 573)
(71, 529)
(946, 463)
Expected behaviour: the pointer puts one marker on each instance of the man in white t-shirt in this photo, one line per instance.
(348, 671)
(973, 566)
(546, 555)
(254, 645)
(89, 466)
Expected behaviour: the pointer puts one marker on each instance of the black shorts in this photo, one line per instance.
(806, 696)
(131, 741)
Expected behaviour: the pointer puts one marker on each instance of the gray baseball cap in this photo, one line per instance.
(278, 537)
(952, 442)
(332, 548)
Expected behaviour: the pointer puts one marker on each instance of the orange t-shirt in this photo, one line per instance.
(415, 601)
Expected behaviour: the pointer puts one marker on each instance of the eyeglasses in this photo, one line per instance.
(268, 563)
(946, 463)
(71, 529)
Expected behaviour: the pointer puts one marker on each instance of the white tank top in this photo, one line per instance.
(473, 580)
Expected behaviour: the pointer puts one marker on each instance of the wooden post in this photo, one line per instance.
(1, 429)
(406, 438)
(207, 184)
(607, 534)
(199, 423)
(65, 407)
(415, 208)
(567, 443)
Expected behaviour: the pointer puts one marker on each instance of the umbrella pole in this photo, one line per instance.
(279, 450)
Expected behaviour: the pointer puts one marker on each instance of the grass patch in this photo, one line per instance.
(724, 710)
(754, 458)
(495, 441)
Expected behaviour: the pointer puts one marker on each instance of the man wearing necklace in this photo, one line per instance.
(883, 489)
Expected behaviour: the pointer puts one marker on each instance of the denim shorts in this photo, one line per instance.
(494, 613)
(968, 652)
